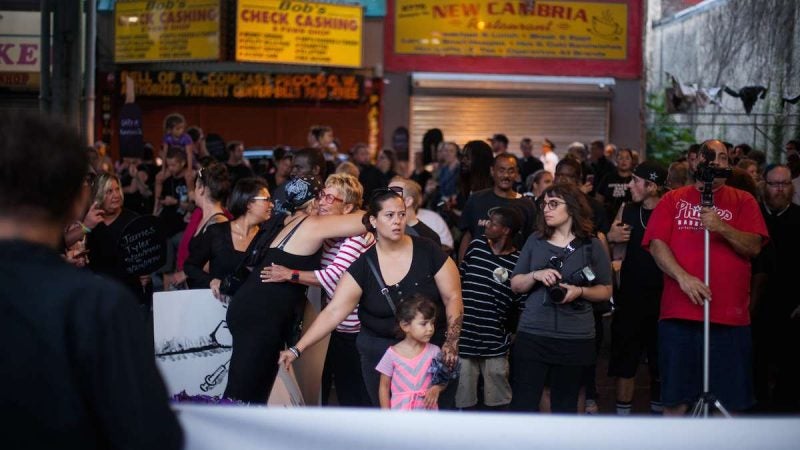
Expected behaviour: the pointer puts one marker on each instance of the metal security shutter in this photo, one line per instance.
(463, 118)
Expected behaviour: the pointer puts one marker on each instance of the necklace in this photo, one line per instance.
(641, 220)
(240, 234)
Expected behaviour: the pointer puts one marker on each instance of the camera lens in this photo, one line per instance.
(556, 293)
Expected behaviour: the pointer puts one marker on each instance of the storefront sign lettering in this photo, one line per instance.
(168, 30)
(295, 32)
(259, 86)
(564, 30)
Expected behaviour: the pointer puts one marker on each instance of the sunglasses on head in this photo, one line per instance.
(396, 190)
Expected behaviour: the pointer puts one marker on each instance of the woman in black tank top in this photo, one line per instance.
(261, 316)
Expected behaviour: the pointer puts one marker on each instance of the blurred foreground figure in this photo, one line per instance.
(80, 371)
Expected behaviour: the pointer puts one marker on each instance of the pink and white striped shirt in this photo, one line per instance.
(337, 256)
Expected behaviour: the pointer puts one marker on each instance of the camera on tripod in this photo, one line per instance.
(581, 277)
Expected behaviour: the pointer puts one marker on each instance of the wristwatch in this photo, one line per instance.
(295, 276)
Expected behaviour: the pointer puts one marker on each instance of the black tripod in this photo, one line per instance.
(707, 398)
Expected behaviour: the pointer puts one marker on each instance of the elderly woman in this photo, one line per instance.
(563, 268)
(262, 317)
(395, 268)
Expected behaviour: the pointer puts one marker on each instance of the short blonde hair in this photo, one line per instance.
(101, 185)
(349, 186)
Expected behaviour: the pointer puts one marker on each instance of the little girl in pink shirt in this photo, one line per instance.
(405, 381)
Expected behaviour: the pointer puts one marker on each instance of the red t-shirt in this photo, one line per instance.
(676, 221)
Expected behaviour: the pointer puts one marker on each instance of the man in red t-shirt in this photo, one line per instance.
(675, 237)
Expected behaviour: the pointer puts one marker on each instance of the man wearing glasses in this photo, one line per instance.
(776, 321)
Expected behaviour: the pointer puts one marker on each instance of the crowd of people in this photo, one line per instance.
(478, 279)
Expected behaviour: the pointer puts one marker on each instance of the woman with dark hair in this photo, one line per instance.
(262, 317)
(387, 162)
(430, 142)
(564, 268)
(220, 243)
(395, 268)
(476, 161)
(211, 189)
(103, 240)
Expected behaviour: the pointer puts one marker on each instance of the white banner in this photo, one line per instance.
(243, 428)
(193, 347)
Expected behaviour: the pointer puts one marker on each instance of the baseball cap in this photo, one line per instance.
(651, 171)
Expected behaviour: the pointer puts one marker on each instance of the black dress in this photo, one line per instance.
(261, 319)
(215, 247)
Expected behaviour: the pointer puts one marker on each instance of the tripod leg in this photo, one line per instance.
(697, 411)
(721, 409)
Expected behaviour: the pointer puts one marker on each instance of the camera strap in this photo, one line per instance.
(571, 247)
(381, 284)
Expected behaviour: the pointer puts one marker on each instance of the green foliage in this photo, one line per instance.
(666, 139)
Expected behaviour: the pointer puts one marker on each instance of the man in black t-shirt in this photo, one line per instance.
(237, 165)
(614, 188)
(474, 216)
(369, 176)
(634, 328)
(173, 199)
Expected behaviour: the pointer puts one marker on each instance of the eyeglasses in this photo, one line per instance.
(396, 190)
(552, 204)
(266, 199)
(89, 178)
(328, 198)
(777, 184)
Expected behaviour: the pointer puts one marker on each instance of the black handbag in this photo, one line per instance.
(255, 253)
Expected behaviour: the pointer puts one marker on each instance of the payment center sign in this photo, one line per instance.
(166, 30)
(298, 32)
(517, 29)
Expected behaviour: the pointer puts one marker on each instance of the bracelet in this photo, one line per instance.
(295, 351)
(581, 291)
(86, 230)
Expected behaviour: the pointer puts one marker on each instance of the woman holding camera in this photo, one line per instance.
(563, 268)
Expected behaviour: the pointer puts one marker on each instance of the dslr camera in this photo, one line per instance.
(581, 277)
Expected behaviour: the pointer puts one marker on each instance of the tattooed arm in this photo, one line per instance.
(449, 284)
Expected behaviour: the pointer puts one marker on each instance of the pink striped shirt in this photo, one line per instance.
(337, 256)
(410, 377)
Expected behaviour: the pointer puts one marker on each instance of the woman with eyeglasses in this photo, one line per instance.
(562, 268)
(220, 243)
(395, 268)
(264, 317)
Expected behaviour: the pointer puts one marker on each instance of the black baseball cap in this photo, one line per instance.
(651, 171)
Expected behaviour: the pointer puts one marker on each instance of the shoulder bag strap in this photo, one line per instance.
(381, 284)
